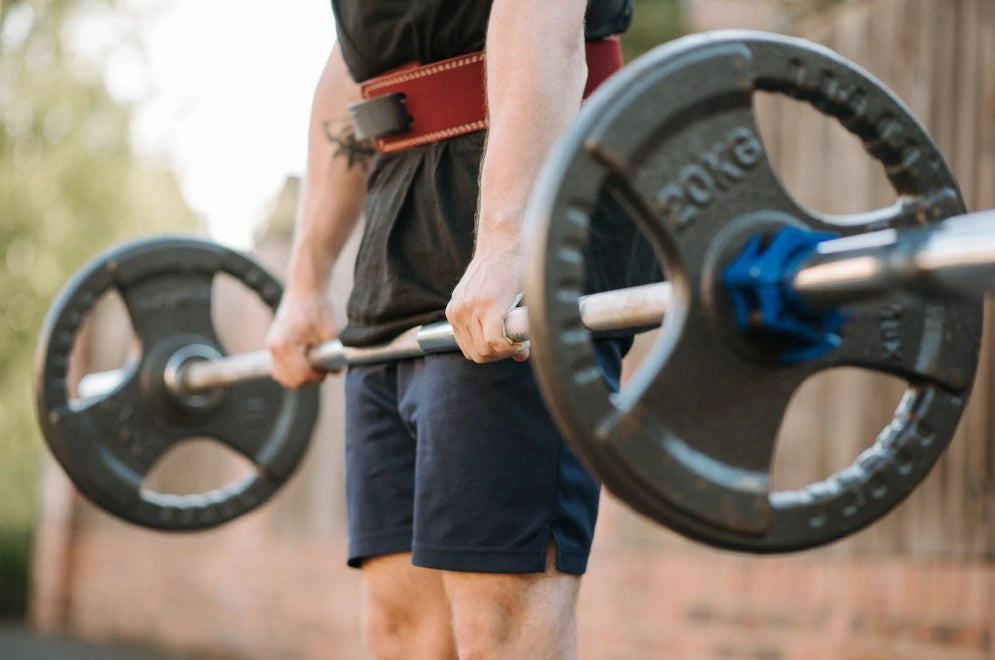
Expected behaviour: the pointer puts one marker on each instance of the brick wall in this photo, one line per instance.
(233, 593)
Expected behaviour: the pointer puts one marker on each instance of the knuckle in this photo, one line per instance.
(493, 348)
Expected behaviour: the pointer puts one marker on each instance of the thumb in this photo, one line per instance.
(523, 354)
(328, 330)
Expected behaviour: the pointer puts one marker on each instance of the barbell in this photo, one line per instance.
(761, 294)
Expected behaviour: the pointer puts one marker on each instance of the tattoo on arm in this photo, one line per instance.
(356, 152)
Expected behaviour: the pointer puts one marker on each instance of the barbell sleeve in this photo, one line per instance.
(952, 258)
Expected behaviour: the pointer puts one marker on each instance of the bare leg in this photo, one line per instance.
(405, 611)
(511, 616)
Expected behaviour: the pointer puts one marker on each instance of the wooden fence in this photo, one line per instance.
(919, 584)
(939, 56)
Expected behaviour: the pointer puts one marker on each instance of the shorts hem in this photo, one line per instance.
(377, 546)
(495, 561)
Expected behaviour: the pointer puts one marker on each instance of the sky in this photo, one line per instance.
(222, 90)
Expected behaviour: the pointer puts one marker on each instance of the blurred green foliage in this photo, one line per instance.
(70, 186)
(654, 22)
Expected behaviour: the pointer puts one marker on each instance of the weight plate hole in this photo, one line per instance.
(821, 144)
(197, 465)
(239, 315)
(819, 435)
(92, 365)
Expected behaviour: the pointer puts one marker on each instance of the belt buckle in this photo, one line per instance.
(380, 116)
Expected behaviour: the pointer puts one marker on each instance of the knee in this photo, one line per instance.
(504, 622)
(406, 629)
(405, 610)
(512, 616)
(482, 630)
(387, 630)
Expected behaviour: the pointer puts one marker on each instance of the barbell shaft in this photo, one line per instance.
(953, 258)
(635, 307)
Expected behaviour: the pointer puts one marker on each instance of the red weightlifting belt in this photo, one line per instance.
(447, 98)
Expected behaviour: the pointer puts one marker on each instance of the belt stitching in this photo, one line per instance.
(421, 73)
(397, 145)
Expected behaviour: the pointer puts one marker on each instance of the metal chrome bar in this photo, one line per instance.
(612, 310)
(636, 307)
(99, 383)
(953, 258)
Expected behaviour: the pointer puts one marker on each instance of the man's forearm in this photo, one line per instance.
(333, 187)
(536, 72)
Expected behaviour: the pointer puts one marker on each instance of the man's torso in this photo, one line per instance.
(421, 203)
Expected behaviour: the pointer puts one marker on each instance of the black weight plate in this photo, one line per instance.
(690, 440)
(108, 444)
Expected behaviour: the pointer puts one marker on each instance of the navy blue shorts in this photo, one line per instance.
(461, 465)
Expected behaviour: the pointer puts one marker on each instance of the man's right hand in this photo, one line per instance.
(301, 321)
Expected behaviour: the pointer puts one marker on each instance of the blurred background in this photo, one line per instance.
(122, 118)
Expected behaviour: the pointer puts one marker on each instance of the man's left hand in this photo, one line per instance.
(481, 302)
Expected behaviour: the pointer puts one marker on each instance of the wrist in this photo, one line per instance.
(504, 254)
(501, 244)
(308, 274)
(505, 227)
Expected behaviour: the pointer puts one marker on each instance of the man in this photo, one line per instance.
(469, 517)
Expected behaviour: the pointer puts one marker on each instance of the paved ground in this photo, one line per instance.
(16, 643)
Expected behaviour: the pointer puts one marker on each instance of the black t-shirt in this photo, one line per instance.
(379, 35)
(421, 203)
